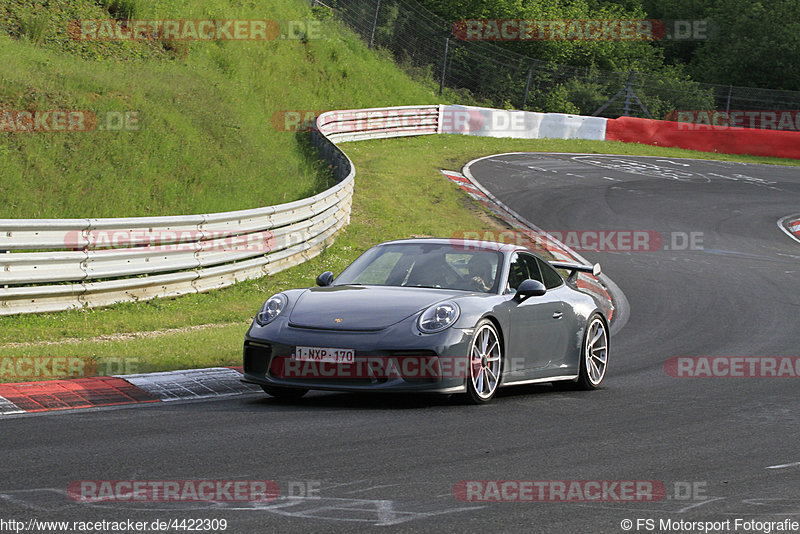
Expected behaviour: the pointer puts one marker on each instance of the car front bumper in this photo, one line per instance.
(396, 359)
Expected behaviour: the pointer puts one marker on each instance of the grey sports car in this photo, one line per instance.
(434, 315)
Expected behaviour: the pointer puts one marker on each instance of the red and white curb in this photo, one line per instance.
(462, 182)
(101, 391)
(192, 384)
(791, 226)
(586, 282)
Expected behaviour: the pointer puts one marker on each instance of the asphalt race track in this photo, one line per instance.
(717, 277)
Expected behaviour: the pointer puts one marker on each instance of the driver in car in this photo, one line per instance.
(480, 273)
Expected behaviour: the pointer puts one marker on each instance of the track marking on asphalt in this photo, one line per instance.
(774, 501)
(372, 488)
(748, 179)
(723, 252)
(8, 408)
(352, 510)
(55, 499)
(701, 503)
(378, 512)
(632, 166)
(620, 507)
(783, 466)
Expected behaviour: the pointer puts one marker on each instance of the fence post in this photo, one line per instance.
(728, 104)
(444, 64)
(374, 24)
(628, 92)
(527, 87)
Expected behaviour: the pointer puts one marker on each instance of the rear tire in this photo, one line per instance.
(284, 393)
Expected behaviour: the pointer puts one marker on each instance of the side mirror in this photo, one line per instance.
(529, 288)
(325, 279)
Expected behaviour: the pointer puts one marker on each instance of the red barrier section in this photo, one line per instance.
(774, 143)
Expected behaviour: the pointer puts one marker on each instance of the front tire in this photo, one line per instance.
(594, 353)
(485, 363)
(283, 393)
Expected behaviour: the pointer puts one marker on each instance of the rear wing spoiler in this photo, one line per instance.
(575, 268)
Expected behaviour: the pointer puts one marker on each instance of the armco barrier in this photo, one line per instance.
(58, 264)
(489, 122)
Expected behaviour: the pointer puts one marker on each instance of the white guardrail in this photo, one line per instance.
(58, 264)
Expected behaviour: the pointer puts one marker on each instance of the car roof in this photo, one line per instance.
(471, 244)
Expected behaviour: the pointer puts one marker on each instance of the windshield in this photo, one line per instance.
(425, 265)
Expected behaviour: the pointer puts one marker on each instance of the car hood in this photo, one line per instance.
(365, 308)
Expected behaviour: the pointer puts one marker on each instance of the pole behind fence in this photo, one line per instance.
(527, 87)
(374, 24)
(628, 92)
(444, 64)
(728, 103)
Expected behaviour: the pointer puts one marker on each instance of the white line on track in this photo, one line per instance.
(782, 466)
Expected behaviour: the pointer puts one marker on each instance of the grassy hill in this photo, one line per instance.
(205, 140)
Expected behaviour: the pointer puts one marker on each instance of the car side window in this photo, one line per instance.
(550, 276)
(517, 273)
(522, 267)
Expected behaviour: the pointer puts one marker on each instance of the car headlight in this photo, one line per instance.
(271, 309)
(438, 317)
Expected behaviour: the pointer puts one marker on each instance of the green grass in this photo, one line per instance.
(399, 193)
(205, 140)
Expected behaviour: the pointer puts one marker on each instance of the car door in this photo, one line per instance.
(564, 324)
(536, 337)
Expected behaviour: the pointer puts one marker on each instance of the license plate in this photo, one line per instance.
(324, 354)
